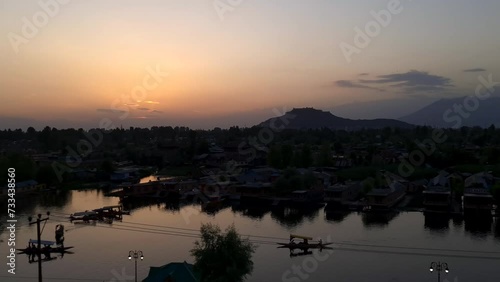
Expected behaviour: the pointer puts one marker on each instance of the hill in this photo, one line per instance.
(310, 118)
(446, 113)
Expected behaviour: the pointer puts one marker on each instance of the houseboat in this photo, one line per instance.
(477, 194)
(385, 197)
(164, 189)
(306, 198)
(340, 194)
(438, 194)
(259, 194)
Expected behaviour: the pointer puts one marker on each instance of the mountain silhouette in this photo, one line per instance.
(446, 113)
(310, 118)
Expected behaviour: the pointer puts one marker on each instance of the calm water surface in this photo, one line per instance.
(388, 247)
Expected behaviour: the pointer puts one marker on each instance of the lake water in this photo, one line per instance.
(384, 247)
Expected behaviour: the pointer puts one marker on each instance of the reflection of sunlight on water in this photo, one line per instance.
(100, 248)
(153, 178)
(88, 200)
(148, 179)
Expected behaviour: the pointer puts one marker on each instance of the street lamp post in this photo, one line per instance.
(135, 255)
(439, 266)
(39, 245)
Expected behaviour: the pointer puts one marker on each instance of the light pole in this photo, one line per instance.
(135, 255)
(439, 266)
(39, 247)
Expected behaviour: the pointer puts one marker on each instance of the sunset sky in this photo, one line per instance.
(232, 66)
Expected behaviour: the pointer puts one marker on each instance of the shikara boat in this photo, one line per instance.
(114, 212)
(48, 247)
(304, 245)
(85, 216)
(30, 251)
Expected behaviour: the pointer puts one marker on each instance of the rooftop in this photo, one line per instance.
(175, 271)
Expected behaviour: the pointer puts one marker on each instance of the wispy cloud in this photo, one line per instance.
(143, 109)
(412, 81)
(111, 111)
(352, 84)
(157, 112)
(364, 74)
(151, 102)
(475, 70)
(133, 105)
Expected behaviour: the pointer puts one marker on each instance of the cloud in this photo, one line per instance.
(475, 70)
(413, 81)
(143, 109)
(351, 84)
(363, 74)
(151, 102)
(134, 105)
(111, 111)
(157, 112)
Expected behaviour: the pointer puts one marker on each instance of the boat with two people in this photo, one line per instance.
(304, 244)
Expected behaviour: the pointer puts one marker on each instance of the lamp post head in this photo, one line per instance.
(431, 269)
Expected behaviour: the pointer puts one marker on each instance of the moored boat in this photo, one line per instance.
(304, 244)
(46, 249)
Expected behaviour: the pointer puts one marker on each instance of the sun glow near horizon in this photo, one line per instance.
(261, 55)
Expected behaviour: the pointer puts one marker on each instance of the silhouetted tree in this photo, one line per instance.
(46, 175)
(286, 155)
(305, 156)
(274, 157)
(222, 257)
(107, 166)
(325, 157)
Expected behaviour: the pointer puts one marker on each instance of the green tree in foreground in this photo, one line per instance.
(222, 256)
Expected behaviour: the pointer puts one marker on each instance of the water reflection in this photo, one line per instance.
(292, 217)
(33, 258)
(172, 206)
(378, 219)
(134, 204)
(437, 222)
(251, 211)
(480, 226)
(497, 228)
(56, 198)
(214, 208)
(336, 215)
(275, 222)
(458, 221)
(25, 205)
